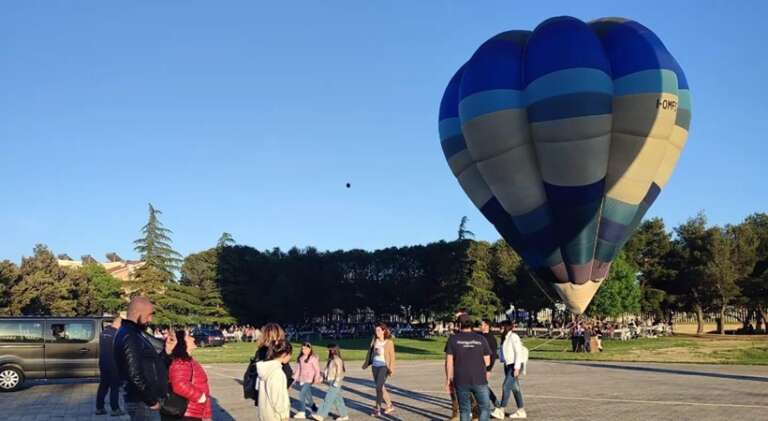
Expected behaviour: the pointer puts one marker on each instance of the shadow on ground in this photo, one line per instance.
(671, 371)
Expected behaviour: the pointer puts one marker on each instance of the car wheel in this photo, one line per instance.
(11, 379)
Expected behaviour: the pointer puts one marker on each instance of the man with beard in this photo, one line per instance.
(142, 361)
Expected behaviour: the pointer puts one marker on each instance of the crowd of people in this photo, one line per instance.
(161, 378)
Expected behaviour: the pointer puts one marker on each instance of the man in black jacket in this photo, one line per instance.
(142, 362)
(108, 377)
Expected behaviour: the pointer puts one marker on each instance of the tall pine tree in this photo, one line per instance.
(226, 240)
(161, 261)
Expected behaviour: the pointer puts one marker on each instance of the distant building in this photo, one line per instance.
(119, 269)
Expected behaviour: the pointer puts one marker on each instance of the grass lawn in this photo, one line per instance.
(678, 349)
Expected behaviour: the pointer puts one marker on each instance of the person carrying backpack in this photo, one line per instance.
(271, 334)
(274, 402)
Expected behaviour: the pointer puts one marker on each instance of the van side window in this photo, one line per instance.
(71, 332)
(21, 331)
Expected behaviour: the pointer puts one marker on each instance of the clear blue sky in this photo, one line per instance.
(250, 117)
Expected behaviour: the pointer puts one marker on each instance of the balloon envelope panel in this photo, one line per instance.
(563, 137)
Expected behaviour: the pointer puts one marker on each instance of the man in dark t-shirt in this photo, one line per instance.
(467, 356)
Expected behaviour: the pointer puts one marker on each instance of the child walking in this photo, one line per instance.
(334, 374)
(307, 374)
(274, 402)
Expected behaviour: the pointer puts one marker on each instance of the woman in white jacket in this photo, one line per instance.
(514, 356)
(274, 402)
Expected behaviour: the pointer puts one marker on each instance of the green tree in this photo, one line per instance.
(161, 261)
(477, 295)
(104, 293)
(503, 269)
(754, 287)
(9, 276)
(226, 240)
(755, 291)
(689, 257)
(758, 222)
(464, 233)
(44, 287)
(155, 248)
(732, 258)
(649, 250)
(200, 271)
(620, 292)
(177, 305)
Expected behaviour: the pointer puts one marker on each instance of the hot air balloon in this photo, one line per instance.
(563, 137)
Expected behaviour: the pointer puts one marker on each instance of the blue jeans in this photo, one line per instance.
(465, 404)
(333, 397)
(305, 397)
(511, 384)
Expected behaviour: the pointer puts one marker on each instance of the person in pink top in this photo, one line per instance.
(307, 374)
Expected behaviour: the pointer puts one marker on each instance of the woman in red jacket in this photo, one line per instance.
(188, 379)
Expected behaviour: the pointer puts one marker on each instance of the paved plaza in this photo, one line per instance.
(553, 391)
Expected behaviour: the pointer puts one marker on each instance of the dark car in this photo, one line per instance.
(208, 337)
(47, 348)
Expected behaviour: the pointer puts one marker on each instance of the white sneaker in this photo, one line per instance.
(300, 416)
(519, 414)
(316, 417)
(342, 419)
(498, 413)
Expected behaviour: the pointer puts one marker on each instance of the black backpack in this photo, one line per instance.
(251, 377)
(251, 381)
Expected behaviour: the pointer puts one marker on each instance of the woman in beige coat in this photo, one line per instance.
(381, 357)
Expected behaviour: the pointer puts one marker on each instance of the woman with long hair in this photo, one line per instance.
(307, 374)
(188, 379)
(334, 374)
(381, 357)
(514, 357)
(274, 402)
(271, 334)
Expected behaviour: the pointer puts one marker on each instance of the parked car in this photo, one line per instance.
(48, 348)
(208, 337)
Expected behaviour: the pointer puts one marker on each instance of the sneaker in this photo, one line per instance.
(117, 413)
(498, 413)
(300, 416)
(519, 414)
(316, 417)
(101, 412)
(389, 410)
(342, 419)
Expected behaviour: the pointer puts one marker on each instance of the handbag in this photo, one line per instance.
(175, 405)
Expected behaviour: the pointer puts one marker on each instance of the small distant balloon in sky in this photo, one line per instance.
(349, 185)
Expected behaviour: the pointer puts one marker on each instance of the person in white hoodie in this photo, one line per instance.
(514, 356)
(274, 402)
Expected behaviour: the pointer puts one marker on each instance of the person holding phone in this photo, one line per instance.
(142, 361)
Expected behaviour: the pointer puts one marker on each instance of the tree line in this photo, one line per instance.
(696, 267)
